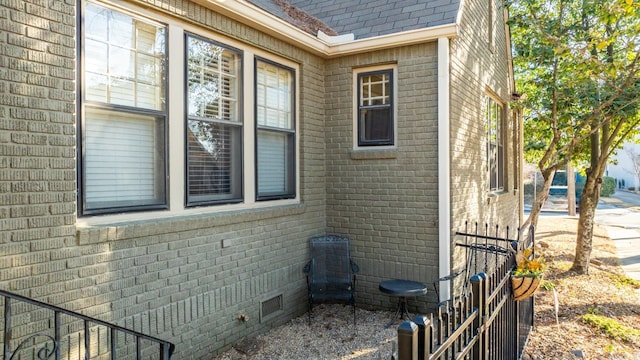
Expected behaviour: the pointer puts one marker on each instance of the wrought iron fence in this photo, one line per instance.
(36, 330)
(484, 322)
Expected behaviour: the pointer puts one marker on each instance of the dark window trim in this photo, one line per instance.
(391, 140)
(231, 200)
(293, 179)
(82, 103)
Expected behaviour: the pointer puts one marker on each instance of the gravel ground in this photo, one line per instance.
(330, 336)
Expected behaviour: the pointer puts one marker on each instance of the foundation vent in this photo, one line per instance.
(270, 307)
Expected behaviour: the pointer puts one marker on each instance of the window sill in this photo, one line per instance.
(376, 154)
(102, 229)
(493, 196)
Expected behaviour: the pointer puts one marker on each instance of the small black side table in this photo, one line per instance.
(402, 289)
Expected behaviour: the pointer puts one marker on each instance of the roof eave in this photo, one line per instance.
(404, 38)
(253, 16)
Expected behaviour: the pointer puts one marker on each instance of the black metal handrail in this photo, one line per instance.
(166, 348)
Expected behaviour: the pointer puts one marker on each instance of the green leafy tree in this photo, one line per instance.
(577, 65)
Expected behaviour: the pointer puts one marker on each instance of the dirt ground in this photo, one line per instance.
(594, 316)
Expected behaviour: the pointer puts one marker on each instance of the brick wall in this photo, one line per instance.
(477, 67)
(37, 140)
(386, 200)
(184, 279)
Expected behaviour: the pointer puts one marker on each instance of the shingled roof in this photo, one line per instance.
(366, 18)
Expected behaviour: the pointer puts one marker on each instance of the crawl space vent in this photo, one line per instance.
(270, 307)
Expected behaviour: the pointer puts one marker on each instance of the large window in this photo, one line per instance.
(214, 126)
(375, 108)
(494, 120)
(275, 131)
(124, 112)
(163, 118)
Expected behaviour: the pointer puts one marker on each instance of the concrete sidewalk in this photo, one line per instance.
(625, 235)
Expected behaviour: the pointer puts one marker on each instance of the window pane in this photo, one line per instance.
(214, 159)
(214, 131)
(213, 81)
(124, 59)
(495, 146)
(375, 124)
(123, 159)
(375, 111)
(275, 147)
(375, 90)
(273, 96)
(275, 163)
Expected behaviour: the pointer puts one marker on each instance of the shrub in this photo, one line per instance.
(608, 186)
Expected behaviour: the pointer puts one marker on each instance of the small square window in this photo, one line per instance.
(375, 108)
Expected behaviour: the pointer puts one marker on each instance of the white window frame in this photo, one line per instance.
(176, 144)
(356, 106)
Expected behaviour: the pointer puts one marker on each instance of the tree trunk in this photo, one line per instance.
(586, 221)
(571, 191)
(540, 198)
(589, 200)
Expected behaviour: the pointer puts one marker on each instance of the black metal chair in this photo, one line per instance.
(331, 274)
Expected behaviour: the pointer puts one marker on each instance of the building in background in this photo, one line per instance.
(624, 167)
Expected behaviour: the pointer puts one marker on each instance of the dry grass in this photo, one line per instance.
(605, 292)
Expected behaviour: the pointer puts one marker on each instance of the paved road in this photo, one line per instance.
(620, 214)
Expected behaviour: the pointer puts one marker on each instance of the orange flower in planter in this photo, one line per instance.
(525, 266)
(527, 275)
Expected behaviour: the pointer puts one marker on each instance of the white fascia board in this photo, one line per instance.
(252, 16)
(460, 9)
(394, 40)
(268, 23)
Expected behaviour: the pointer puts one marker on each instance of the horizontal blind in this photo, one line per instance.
(272, 162)
(122, 159)
(274, 96)
(214, 136)
(123, 151)
(212, 81)
(275, 125)
(214, 170)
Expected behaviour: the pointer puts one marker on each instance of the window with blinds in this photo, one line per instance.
(275, 131)
(495, 144)
(375, 108)
(124, 113)
(214, 127)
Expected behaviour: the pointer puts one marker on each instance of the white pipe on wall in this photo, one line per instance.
(444, 171)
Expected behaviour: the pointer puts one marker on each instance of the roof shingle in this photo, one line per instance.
(369, 18)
